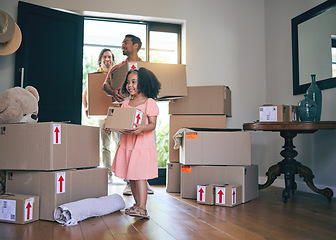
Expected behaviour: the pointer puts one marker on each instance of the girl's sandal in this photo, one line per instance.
(131, 209)
(140, 212)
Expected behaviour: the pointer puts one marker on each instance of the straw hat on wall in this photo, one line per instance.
(10, 34)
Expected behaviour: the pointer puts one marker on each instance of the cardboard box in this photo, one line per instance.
(171, 76)
(215, 148)
(206, 194)
(123, 119)
(219, 194)
(293, 117)
(274, 113)
(191, 121)
(246, 176)
(19, 208)
(58, 187)
(204, 100)
(173, 177)
(48, 146)
(98, 101)
(228, 195)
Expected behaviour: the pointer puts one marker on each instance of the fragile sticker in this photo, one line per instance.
(132, 65)
(191, 135)
(186, 169)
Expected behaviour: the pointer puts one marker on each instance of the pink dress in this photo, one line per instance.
(136, 156)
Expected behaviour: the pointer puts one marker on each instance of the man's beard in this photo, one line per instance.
(105, 66)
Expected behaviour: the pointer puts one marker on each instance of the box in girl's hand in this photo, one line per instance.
(123, 119)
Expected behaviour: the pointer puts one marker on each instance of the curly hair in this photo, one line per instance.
(148, 84)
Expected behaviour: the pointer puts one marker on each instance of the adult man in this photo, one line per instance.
(105, 62)
(130, 47)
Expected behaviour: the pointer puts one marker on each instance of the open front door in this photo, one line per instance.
(50, 59)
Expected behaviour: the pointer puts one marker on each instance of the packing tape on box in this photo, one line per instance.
(70, 214)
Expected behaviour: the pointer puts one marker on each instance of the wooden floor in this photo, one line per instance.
(304, 216)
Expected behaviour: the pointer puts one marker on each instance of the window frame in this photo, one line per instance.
(150, 26)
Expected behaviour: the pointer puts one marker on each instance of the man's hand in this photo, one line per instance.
(117, 96)
(107, 130)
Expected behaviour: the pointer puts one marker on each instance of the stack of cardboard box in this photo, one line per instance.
(209, 152)
(57, 162)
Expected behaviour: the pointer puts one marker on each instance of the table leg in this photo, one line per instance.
(272, 173)
(289, 167)
(308, 176)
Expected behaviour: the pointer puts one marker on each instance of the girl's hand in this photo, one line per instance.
(139, 129)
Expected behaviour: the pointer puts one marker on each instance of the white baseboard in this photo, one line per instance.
(301, 186)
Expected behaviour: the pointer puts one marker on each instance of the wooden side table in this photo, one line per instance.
(289, 166)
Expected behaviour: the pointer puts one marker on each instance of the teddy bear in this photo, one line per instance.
(19, 105)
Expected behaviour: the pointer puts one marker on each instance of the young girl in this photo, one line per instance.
(135, 158)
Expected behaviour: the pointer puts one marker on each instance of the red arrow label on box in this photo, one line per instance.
(138, 118)
(57, 133)
(221, 194)
(233, 195)
(201, 194)
(28, 207)
(60, 182)
(28, 214)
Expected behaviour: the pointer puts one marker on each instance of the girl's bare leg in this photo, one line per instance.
(141, 186)
(135, 191)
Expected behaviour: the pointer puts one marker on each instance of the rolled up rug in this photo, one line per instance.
(71, 213)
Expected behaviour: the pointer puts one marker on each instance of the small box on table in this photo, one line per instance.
(274, 113)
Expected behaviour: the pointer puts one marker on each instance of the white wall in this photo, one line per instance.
(245, 44)
(316, 150)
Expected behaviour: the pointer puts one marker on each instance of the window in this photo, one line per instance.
(333, 55)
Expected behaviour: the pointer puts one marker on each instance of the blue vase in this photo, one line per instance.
(315, 94)
(307, 109)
